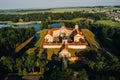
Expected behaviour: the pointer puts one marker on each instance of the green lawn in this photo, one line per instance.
(50, 52)
(108, 22)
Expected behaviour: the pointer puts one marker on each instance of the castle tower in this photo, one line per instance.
(76, 26)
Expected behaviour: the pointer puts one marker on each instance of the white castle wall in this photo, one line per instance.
(77, 46)
(69, 46)
(51, 46)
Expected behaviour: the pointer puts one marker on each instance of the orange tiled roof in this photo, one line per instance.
(51, 31)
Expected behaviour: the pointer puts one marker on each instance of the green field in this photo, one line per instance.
(109, 23)
(74, 20)
(57, 10)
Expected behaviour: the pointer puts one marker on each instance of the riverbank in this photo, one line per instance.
(19, 23)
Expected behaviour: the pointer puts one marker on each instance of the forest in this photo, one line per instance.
(10, 38)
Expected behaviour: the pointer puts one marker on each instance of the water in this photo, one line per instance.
(4, 25)
(54, 25)
(36, 26)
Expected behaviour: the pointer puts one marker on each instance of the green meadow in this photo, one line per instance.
(109, 23)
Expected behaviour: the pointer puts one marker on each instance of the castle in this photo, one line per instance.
(73, 37)
(65, 38)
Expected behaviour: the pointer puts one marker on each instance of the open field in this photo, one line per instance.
(90, 38)
(89, 9)
(109, 23)
(57, 10)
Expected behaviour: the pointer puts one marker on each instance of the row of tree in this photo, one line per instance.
(47, 16)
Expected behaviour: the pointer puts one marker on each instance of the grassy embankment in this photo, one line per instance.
(90, 38)
(108, 22)
(38, 43)
(42, 35)
(21, 46)
(19, 23)
(74, 20)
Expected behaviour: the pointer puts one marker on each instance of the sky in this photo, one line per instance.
(44, 4)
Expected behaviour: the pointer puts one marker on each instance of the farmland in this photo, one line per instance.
(109, 23)
(56, 10)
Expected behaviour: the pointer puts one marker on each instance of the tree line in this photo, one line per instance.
(47, 16)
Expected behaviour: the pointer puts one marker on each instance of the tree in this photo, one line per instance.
(44, 25)
(8, 62)
(19, 65)
(58, 74)
(30, 62)
(82, 75)
(42, 61)
(41, 64)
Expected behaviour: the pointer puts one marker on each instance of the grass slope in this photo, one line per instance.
(42, 35)
(90, 38)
